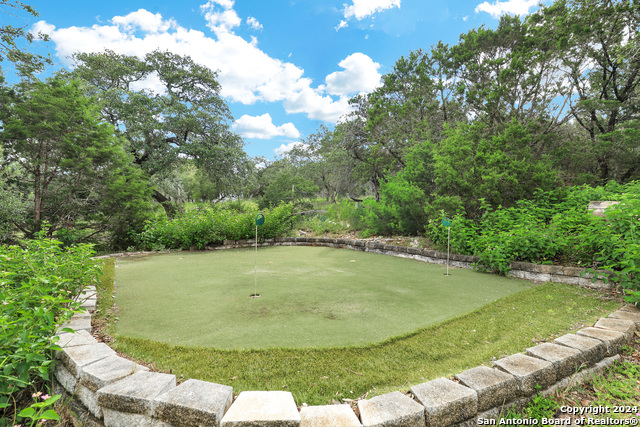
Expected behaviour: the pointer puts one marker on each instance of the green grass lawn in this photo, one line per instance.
(310, 297)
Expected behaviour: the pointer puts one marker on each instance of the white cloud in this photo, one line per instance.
(151, 83)
(283, 149)
(361, 9)
(262, 127)
(512, 7)
(219, 21)
(253, 23)
(246, 73)
(143, 20)
(360, 75)
(342, 24)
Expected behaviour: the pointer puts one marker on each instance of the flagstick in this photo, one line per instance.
(255, 269)
(448, 239)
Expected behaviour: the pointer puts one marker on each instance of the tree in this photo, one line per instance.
(597, 48)
(186, 118)
(330, 165)
(72, 165)
(10, 36)
(284, 182)
(472, 164)
(509, 73)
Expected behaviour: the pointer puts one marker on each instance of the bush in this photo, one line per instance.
(554, 227)
(39, 284)
(205, 226)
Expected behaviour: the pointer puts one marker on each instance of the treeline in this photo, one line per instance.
(541, 102)
(538, 103)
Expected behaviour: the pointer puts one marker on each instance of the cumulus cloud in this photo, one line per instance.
(220, 21)
(360, 75)
(361, 9)
(262, 127)
(512, 7)
(246, 73)
(253, 23)
(144, 21)
(283, 149)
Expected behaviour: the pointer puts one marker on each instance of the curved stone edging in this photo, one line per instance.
(115, 392)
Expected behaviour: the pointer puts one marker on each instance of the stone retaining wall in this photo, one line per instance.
(115, 392)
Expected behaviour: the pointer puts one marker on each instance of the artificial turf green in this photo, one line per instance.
(320, 376)
(310, 297)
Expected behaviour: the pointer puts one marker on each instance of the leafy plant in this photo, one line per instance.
(204, 226)
(39, 284)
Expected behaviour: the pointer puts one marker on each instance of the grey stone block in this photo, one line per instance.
(492, 414)
(390, 410)
(79, 321)
(592, 350)
(113, 418)
(131, 400)
(66, 379)
(613, 340)
(88, 292)
(328, 416)
(627, 314)
(627, 327)
(264, 409)
(494, 387)
(528, 371)
(74, 358)
(89, 304)
(101, 374)
(81, 337)
(193, 403)
(566, 360)
(446, 402)
(630, 308)
(108, 370)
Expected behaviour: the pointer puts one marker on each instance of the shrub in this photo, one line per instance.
(205, 226)
(39, 283)
(554, 226)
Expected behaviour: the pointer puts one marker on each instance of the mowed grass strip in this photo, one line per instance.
(320, 376)
(310, 297)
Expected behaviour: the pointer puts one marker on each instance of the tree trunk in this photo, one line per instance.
(165, 202)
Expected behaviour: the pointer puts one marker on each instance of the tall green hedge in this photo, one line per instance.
(203, 226)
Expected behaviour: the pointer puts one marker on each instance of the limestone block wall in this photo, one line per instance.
(111, 391)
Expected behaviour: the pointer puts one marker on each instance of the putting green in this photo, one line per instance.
(310, 297)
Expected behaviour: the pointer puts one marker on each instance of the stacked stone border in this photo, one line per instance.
(111, 391)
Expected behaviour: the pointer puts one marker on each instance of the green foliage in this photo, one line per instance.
(320, 224)
(204, 226)
(400, 209)
(39, 282)
(540, 407)
(187, 119)
(500, 168)
(38, 410)
(68, 162)
(12, 208)
(349, 213)
(284, 184)
(555, 227)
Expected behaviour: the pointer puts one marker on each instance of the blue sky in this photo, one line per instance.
(286, 66)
